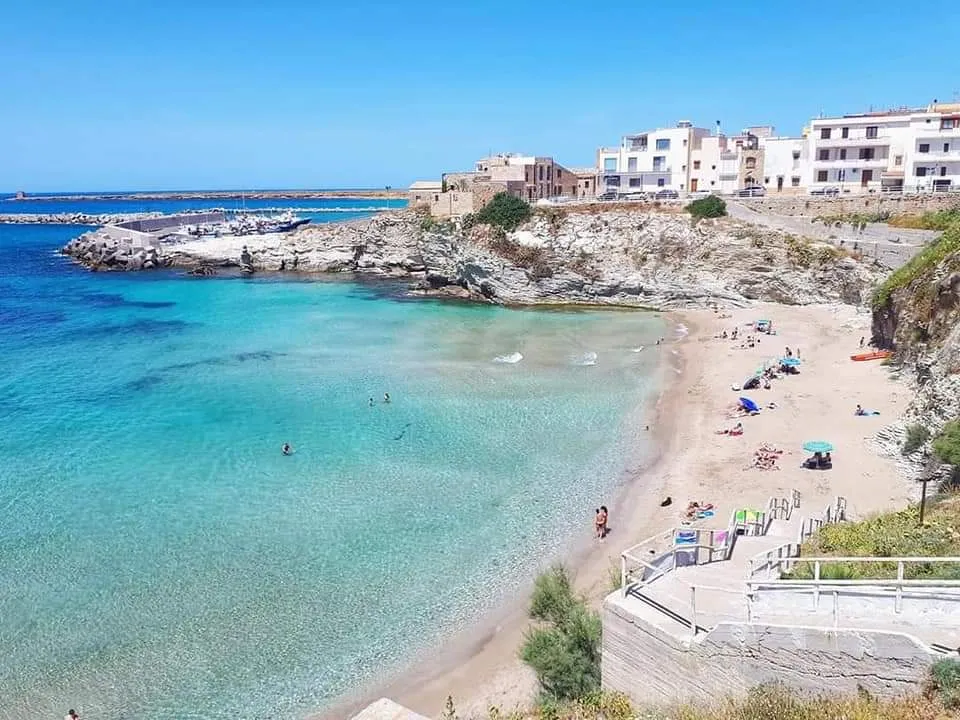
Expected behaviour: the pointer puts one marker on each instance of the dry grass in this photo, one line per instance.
(770, 702)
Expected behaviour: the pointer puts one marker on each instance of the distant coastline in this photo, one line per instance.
(388, 193)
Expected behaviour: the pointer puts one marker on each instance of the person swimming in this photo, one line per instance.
(386, 397)
(371, 402)
(286, 449)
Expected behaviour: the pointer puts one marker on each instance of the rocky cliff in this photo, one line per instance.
(638, 257)
(917, 314)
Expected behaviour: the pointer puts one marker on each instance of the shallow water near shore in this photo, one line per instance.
(162, 559)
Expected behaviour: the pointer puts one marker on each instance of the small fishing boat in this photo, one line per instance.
(873, 355)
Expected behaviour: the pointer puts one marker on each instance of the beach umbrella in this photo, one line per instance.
(749, 405)
(818, 446)
(790, 361)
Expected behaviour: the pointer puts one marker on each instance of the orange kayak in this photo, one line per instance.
(875, 355)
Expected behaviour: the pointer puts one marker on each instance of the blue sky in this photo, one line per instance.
(280, 93)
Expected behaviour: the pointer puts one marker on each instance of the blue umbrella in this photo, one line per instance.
(790, 361)
(749, 405)
(818, 446)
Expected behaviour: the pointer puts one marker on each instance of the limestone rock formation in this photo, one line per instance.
(610, 256)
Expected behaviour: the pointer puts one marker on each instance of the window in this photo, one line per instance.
(659, 163)
(946, 147)
(684, 142)
(631, 164)
(683, 168)
(541, 172)
(586, 184)
(823, 154)
(796, 154)
(696, 164)
(795, 181)
(559, 173)
(949, 123)
(924, 147)
(845, 133)
(943, 170)
(921, 172)
(526, 175)
(752, 163)
(713, 167)
(843, 153)
(824, 133)
(636, 182)
(663, 143)
(713, 182)
(898, 160)
(610, 164)
(661, 182)
(866, 153)
(550, 172)
(766, 181)
(821, 175)
(872, 131)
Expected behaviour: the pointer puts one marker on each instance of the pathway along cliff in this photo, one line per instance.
(641, 257)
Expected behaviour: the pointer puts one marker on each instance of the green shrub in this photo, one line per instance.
(917, 435)
(504, 211)
(935, 220)
(946, 445)
(564, 650)
(945, 682)
(920, 265)
(711, 206)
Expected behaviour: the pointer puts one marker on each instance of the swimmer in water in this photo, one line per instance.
(286, 449)
(386, 397)
(371, 402)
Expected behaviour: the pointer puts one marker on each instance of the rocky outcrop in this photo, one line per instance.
(73, 218)
(917, 314)
(638, 257)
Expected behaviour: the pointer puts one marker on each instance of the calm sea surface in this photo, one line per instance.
(161, 559)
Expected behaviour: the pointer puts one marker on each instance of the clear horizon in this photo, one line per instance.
(298, 95)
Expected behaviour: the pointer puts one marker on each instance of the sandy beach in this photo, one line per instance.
(479, 668)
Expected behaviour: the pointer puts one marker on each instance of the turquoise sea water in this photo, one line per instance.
(160, 558)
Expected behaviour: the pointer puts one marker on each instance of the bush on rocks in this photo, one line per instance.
(712, 206)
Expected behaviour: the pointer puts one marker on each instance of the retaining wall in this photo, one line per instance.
(651, 665)
(813, 205)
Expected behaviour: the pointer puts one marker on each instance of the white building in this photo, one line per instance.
(897, 150)
(658, 159)
(784, 162)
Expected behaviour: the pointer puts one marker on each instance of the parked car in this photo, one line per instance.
(752, 191)
(607, 196)
(635, 196)
(667, 194)
(830, 190)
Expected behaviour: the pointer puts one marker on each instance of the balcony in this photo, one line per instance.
(935, 133)
(852, 163)
(860, 141)
(939, 156)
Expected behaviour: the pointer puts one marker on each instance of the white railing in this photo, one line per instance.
(882, 586)
(686, 610)
(772, 559)
(660, 554)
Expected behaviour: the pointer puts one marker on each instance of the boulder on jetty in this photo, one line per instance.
(642, 256)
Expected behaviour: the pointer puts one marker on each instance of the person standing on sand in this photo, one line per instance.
(861, 342)
(601, 522)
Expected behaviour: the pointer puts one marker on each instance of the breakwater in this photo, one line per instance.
(75, 218)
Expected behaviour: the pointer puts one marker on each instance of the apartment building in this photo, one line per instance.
(891, 151)
(658, 159)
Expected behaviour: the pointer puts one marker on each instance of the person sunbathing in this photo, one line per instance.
(860, 411)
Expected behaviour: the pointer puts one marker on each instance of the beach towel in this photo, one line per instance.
(685, 537)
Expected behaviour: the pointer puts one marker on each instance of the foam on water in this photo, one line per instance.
(162, 559)
(510, 359)
(584, 359)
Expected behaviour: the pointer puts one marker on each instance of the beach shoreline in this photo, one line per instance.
(479, 667)
(488, 650)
